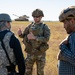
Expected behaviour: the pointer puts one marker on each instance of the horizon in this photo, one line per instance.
(51, 9)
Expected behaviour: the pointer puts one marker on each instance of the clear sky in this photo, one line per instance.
(51, 8)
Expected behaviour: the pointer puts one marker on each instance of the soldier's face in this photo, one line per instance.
(37, 19)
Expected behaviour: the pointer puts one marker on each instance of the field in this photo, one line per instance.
(57, 35)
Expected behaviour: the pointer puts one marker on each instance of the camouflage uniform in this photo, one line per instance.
(3, 58)
(12, 46)
(36, 48)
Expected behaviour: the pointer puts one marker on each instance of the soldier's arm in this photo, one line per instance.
(25, 32)
(46, 35)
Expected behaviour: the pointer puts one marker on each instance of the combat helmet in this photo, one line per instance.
(5, 17)
(67, 13)
(37, 12)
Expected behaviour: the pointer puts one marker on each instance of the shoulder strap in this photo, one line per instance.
(5, 51)
(11, 64)
(43, 26)
(7, 36)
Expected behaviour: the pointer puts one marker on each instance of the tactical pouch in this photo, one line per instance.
(38, 51)
(27, 44)
(43, 47)
(28, 48)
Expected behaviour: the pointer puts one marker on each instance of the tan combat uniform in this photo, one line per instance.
(36, 48)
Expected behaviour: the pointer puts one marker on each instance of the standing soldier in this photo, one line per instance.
(10, 44)
(36, 36)
(66, 55)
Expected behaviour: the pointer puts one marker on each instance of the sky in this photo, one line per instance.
(50, 8)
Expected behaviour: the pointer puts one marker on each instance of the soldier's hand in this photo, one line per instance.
(19, 31)
(31, 36)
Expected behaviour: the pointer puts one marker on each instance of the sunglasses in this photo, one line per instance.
(36, 16)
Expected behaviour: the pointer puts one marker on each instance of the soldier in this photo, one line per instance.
(12, 46)
(66, 57)
(35, 38)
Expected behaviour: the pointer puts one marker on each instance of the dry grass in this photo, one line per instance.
(57, 35)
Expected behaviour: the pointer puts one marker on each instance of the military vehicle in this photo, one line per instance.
(21, 18)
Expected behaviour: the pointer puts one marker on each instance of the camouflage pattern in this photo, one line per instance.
(67, 13)
(42, 33)
(3, 58)
(34, 46)
(40, 62)
(37, 12)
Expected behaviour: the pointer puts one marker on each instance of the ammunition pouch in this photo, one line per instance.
(37, 51)
(42, 48)
(28, 48)
(28, 45)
